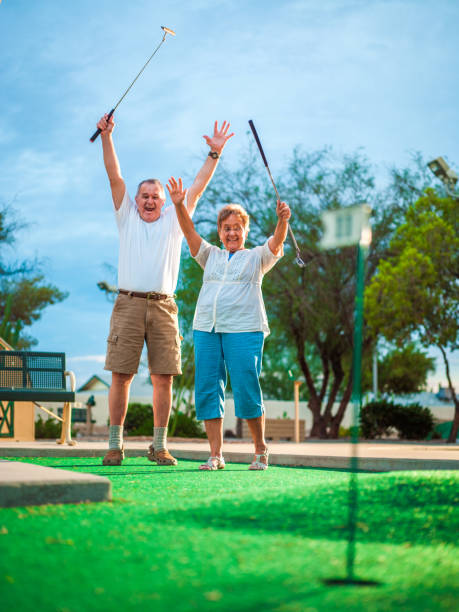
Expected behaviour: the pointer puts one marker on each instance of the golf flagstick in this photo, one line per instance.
(166, 31)
(298, 260)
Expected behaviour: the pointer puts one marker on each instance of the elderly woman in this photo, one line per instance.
(230, 321)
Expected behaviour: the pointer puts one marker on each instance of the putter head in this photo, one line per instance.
(299, 262)
(168, 30)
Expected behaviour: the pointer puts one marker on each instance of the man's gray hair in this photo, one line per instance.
(151, 181)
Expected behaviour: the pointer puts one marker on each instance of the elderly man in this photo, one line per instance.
(145, 310)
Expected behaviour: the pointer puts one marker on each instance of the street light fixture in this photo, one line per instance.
(448, 177)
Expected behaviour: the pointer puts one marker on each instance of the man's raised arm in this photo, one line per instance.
(111, 162)
(216, 143)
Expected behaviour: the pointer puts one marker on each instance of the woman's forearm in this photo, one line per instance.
(187, 226)
(280, 234)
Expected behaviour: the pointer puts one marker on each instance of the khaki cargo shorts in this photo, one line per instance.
(136, 320)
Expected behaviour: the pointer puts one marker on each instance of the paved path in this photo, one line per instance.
(24, 484)
(373, 456)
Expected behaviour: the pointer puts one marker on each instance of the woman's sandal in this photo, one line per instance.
(213, 463)
(258, 464)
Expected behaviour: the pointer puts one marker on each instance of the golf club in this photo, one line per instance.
(166, 31)
(298, 259)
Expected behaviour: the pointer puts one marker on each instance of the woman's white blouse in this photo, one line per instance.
(230, 299)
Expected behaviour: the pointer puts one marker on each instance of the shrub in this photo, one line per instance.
(383, 417)
(377, 419)
(186, 426)
(139, 422)
(414, 422)
(49, 428)
(346, 432)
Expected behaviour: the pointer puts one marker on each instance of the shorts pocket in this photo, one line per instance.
(170, 306)
(112, 338)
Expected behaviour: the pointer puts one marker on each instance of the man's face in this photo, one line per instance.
(150, 199)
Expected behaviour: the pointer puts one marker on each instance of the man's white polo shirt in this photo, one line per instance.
(149, 255)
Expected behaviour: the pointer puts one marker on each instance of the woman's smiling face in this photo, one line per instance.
(233, 233)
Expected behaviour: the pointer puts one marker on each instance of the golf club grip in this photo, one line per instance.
(257, 140)
(97, 132)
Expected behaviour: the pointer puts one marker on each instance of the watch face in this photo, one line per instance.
(213, 154)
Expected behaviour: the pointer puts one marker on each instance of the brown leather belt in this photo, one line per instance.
(150, 295)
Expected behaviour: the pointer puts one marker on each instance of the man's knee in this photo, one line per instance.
(121, 380)
(162, 380)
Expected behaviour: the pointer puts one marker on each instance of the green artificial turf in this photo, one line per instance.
(177, 539)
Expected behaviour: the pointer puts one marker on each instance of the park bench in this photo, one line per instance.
(277, 429)
(29, 376)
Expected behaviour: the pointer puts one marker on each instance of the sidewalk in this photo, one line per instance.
(378, 456)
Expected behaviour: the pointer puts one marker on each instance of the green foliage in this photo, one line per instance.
(415, 293)
(8, 331)
(401, 370)
(24, 293)
(384, 418)
(187, 426)
(187, 292)
(278, 359)
(416, 289)
(139, 422)
(49, 428)
(345, 432)
(377, 419)
(414, 422)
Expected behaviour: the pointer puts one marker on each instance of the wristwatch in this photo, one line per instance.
(213, 154)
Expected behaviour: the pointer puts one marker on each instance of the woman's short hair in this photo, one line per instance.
(235, 209)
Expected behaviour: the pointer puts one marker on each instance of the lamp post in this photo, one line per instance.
(448, 177)
(296, 401)
(375, 372)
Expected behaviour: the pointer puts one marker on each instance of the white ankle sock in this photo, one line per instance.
(159, 438)
(115, 437)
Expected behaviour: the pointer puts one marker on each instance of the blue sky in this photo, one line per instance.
(377, 74)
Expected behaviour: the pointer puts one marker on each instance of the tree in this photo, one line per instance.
(24, 292)
(415, 293)
(280, 360)
(400, 370)
(311, 309)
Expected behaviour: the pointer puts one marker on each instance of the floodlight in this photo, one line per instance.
(441, 170)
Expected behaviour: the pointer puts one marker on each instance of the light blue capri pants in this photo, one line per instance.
(239, 353)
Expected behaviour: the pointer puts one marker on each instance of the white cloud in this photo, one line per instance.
(93, 358)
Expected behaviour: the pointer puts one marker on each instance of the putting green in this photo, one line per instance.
(177, 539)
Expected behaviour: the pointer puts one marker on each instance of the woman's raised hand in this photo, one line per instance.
(176, 191)
(283, 210)
(220, 137)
